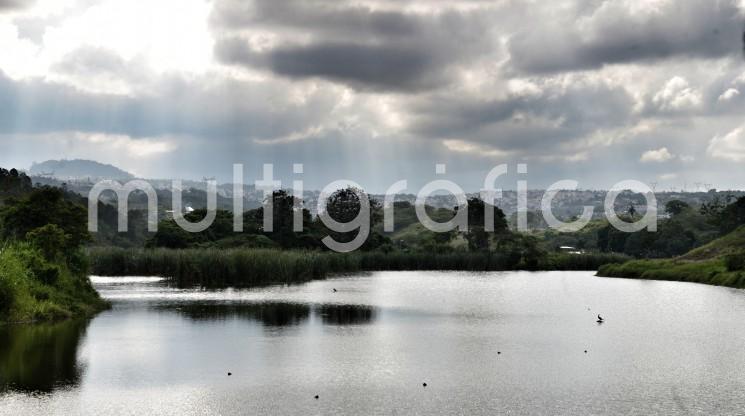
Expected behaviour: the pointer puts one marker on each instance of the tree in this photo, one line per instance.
(170, 235)
(344, 206)
(14, 182)
(733, 216)
(42, 206)
(676, 207)
(284, 206)
(477, 236)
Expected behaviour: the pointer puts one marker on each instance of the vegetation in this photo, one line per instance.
(13, 183)
(254, 267)
(721, 262)
(32, 288)
(712, 272)
(49, 223)
(43, 269)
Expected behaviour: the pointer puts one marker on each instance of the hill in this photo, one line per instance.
(78, 169)
(721, 263)
(729, 244)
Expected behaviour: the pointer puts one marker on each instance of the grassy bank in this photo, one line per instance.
(35, 289)
(256, 267)
(721, 263)
(712, 272)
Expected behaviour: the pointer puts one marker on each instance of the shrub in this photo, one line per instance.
(49, 239)
(46, 273)
(735, 261)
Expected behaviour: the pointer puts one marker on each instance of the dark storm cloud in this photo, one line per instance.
(385, 67)
(524, 123)
(336, 17)
(225, 110)
(356, 45)
(610, 33)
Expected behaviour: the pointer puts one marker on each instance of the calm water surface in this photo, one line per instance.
(484, 343)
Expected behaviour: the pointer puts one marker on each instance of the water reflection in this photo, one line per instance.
(347, 314)
(268, 314)
(40, 358)
(273, 314)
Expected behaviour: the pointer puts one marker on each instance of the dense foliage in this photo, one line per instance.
(43, 269)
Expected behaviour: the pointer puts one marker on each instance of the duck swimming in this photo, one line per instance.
(600, 319)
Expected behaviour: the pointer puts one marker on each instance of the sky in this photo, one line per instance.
(376, 91)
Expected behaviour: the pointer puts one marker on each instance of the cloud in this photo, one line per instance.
(143, 148)
(538, 120)
(223, 109)
(677, 95)
(585, 35)
(388, 67)
(402, 83)
(729, 94)
(658, 156)
(13, 4)
(342, 41)
(729, 147)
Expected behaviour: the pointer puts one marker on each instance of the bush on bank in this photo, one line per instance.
(33, 288)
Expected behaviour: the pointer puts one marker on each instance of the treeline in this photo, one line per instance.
(13, 182)
(342, 206)
(256, 267)
(682, 228)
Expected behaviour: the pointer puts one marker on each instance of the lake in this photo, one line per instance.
(484, 343)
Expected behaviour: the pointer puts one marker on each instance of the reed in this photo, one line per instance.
(259, 267)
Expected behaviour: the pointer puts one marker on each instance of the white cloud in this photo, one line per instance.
(729, 147)
(677, 95)
(659, 155)
(461, 146)
(729, 94)
(128, 145)
(523, 88)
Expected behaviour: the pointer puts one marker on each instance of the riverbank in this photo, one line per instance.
(710, 272)
(33, 289)
(260, 267)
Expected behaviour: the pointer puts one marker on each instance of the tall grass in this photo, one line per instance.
(712, 272)
(257, 267)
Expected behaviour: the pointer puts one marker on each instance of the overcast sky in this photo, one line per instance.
(381, 90)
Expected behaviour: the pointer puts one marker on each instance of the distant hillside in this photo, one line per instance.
(730, 243)
(721, 263)
(78, 169)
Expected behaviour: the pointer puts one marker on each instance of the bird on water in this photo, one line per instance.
(600, 319)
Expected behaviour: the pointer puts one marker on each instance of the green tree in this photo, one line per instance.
(344, 206)
(732, 216)
(42, 206)
(284, 206)
(477, 236)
